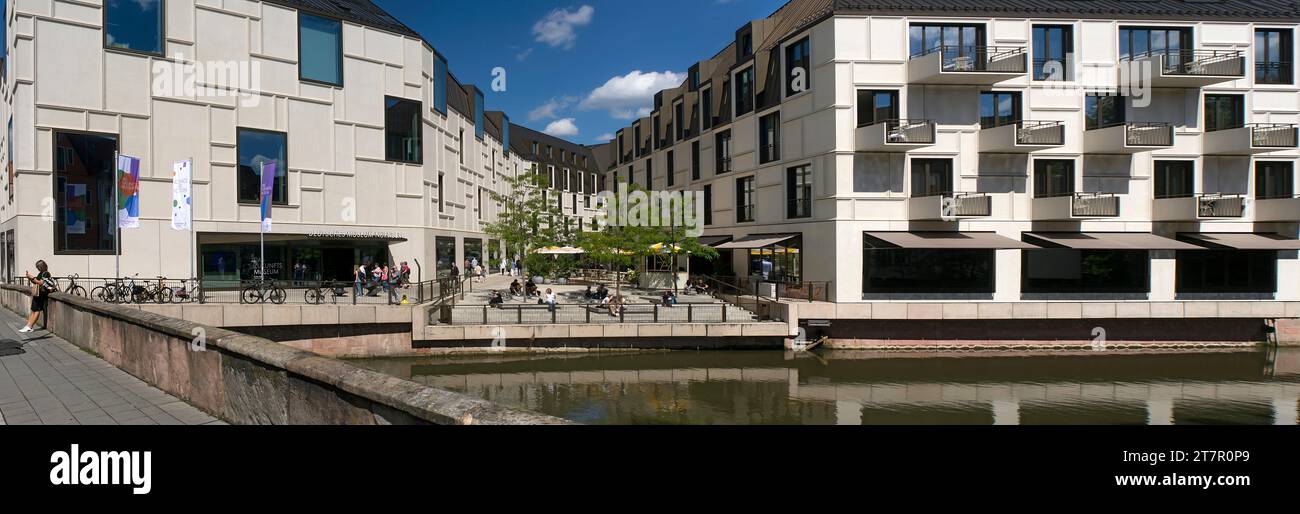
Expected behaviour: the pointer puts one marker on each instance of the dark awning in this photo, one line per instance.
(753, 242)
(1107, 241)
(713, 240)
(1244, 241)
(947, 240)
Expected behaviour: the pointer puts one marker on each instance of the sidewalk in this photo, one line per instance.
(45, 380)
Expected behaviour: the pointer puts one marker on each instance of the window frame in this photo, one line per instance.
(1237, 107)
(285, 202)
(763, 157)
(419, 109)
(1286, 45)
(806, 42)
(1161, 177)
(752, 102)
(162, 32)
(440, 72)
(1067, 41)
(1040, 192)
(798, 179)
(1290, 179)
(748, 194)
(894, 101)
(1121, 108)
(301, 78)
(1017, 109)
(59, 219)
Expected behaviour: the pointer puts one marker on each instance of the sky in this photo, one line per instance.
(577, 70)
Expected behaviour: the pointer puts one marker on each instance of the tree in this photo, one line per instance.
(527, 219)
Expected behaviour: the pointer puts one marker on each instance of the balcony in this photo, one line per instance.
(1022, 137)
(1184, 68)
(949, 206)
(895, 136)
(1250, 139)
(1131, 137)
(1286, 210)
(1200, 207)
(1076, 206)
(967, 65)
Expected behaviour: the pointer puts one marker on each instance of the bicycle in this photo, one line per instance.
(160, 293)
(187, 294)
(111, 292)
(75, 289)
(262, 291)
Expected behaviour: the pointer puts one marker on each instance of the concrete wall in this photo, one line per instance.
(248, 380)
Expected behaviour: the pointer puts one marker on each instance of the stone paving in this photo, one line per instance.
(45, 380)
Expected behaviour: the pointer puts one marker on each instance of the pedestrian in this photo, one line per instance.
(483, 272)
(383, 279)
(550, 299)
(394, 281)
(42, 285)
(406, 273)
(357, 273)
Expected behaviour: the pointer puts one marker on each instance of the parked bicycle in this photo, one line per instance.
(262, 291)
(322, 290)
(187, 293)
(75, 289)
(112, 292)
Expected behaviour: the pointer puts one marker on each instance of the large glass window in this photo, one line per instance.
(320, 49)
(1053, 45)
(1227, 271)
(1274, 179)
(956, 40)
(876, 106)
(1086, 271)
(1135, 41)
(1101, 111)
(722, 149)
(440, 84)
(708, 204)
(887, 270)
(931, 177)
(998, 108)
(695, 160)
(135, 25)
(679, 120)
(1273, 56)
(672, 169)
(778, 263)
(445, 253)
(744, 199)
(744, 92)
(1053, 177)
(258, 147)
(403, 130)
(706, 107)
(798, 67)
(1175, 179)
(769, 138)
(84, 181)
(478, 115)
(798, 191)
(1224, 112)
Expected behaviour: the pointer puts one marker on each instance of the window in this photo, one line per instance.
(135, 25)
(798, 68)
(798, 191)
(706, 107)
(1274, 179)
(445, 253)
(1053, 45)
(460, 146)
(1273, 56)
(654, 140)
(442, 192)
(1173, 41)
(745, 199)
(695, 160)
(1227, 271)
(1053, 271)
(649, 174)
(954, 40)
(478, 115)
(505, 136)
(780, 262)
(672, 170)
(535, 148)
(722, 147)
(769, 138)
(888, 270)
(320, 49)
(258, 147)
(479, 199)
(1053, 177)
(1101, 111)
(403, 129)
(931, 177)
(876, 106)
(998, 108)
(708, 204)
(636, 137)
(439, 83)
(1224, 112)
(745, 45)
(1174, 179)
(744, 92)
(84, 181)
(679, 121)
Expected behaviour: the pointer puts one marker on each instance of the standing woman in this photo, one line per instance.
(42, 285)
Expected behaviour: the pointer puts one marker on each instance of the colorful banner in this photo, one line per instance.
(182, 202)
(128, 192)
(74, 211)
(268, 190)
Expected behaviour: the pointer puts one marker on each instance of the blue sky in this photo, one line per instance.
(560, 57)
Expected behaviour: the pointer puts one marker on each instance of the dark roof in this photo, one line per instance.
(521, 142)
(1105, 9)
(362, 12)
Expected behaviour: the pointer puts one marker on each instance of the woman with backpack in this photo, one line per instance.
(42, 285)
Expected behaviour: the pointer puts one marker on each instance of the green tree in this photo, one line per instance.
(526, 221)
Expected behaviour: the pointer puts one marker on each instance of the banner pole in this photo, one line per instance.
(194, 241)
(117, 218)
(261, 222)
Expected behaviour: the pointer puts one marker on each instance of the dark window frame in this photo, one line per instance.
(932, 181)
(419, 118)
(747, 105)
(745, 191)
(1163, 177)
(765, 157)
(894, 110)
(1042, 180)
(806, 43)
(798, 179)
(162, 32)
(1284, 62)
(1017, 109)
(1037, 74)
(274, 202)
(1094, 121)
(59, 220)
(327, 83)
(1234, 103)
(1286, 180)
(1084, 286)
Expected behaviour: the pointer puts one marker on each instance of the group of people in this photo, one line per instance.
(527, 290)
(369, 280)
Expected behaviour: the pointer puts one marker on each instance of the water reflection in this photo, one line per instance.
(852, 388)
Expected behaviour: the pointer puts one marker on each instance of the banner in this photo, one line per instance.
(74, 212)
(128, 192)
(182, 203)
(268, 190)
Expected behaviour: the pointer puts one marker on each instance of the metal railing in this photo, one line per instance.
(724, 165)
(1053, 69)
(1219, 205)
(799, 208)
(129, 290)
(979, 59)
(1277, 72)
(593, 313)
(1095, 205)
(1203, 63)
(903, 131)
(968, 204)
(1148, 133)
(1272, 135)
(768, 153)
(1040, 133)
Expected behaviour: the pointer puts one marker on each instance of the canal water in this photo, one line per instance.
(854, 388)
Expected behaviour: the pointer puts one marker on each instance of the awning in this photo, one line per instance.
(713, 240)
(753, 242)
(1244, 241)
(1107, 241)
(948, 240)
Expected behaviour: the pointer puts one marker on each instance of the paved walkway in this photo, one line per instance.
(45, 380)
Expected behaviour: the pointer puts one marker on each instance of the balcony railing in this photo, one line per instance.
(1095, 205)
(1220, 206)
(769, 153)
(1053, 69)
(799, 208)
(1272, 135)
(724, 165)
(1149, 133)
(1212, 63)
(968, 205)
(909, 131)
(1040, 133)
(744, 213)
(1278, 72)
(979, 59)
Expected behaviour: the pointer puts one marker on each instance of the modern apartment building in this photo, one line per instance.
(380, 153)
(998, 151)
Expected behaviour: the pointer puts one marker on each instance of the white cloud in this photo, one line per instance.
(523, 56)
(631, 95)
(551, 109)
(605, 138)
(562, 128)
(558, 28)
